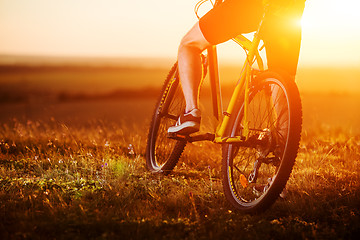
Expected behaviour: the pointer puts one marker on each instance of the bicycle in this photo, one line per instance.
(259, 132)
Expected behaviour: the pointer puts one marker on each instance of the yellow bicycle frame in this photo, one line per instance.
(252, 48)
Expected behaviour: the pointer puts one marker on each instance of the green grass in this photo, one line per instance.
(63, 182)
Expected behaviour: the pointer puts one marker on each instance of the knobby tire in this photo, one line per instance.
(163, 153)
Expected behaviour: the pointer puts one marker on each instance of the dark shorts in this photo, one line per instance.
(234, 17)
(230, 19)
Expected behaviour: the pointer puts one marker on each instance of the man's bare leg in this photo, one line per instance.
(189, 62)
(190, 71)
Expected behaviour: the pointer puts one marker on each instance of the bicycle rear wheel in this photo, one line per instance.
(163, 153)
(255, 173)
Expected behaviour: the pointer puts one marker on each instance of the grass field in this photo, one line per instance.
(75, 169)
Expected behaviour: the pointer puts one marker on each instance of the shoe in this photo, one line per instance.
(187, 123)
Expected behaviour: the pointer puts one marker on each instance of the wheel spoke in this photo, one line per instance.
(170, 116)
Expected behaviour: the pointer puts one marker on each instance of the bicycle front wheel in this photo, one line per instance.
(163, 153)
(255, 173)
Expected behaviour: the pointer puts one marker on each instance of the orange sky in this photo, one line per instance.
(137, 28)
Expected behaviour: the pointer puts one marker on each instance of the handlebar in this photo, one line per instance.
(201, 2)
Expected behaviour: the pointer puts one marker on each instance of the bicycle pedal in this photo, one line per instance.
(178, 137)
(194, 138)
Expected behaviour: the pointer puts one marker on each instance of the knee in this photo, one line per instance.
(189, 44)
(194, 41)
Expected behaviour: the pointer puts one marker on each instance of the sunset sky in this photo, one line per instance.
(142, 28)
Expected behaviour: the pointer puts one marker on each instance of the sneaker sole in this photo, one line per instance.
(185, 128)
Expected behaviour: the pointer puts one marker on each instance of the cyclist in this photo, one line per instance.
(281, 34)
